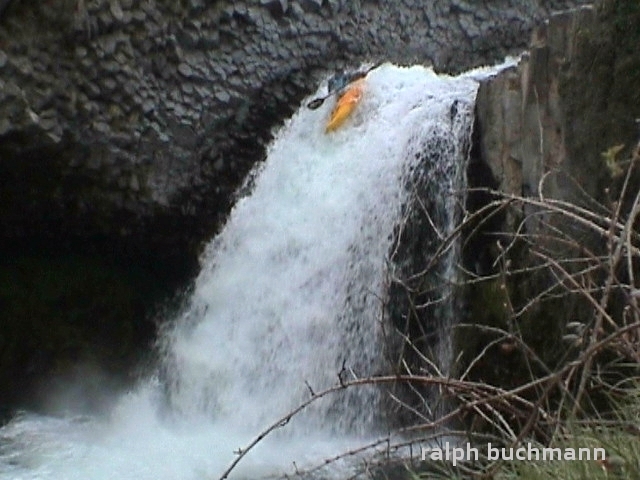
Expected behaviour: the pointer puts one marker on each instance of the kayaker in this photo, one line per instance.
(342, 79)
(348, 99)
(338, 82)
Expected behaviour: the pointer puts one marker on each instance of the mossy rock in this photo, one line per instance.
(489, 321)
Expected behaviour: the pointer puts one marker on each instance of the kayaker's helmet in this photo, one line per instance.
(341, 79)
(338, 81)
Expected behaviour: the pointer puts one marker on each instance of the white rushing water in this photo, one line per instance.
(290, 292)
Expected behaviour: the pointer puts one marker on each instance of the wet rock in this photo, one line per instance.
(55, 136)
(179, 110)
(108, 44)
(203, 92)
(148, 106)
(81, 52)
(105, 21)
(92, 89)
(196, 6)
(121, 58)
(111, 66)
(109, 84)
(130, 89)
(101, 127)
(223, 96)
(311, 5)
(139, 15)
(5, 126)
(48, 122)
(134, 184)
(23, 65)
(185, 70)
(276, 7)
(116, 9)
(126, 18)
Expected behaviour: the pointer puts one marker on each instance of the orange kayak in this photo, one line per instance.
(345, 105)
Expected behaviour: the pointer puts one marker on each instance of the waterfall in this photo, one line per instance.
(292, 293)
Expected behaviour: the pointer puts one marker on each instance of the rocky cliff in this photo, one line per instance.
(570, 99)
(134, 121)
(126, 126)
(561, 126)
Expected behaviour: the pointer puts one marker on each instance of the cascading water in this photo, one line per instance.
(291, 294)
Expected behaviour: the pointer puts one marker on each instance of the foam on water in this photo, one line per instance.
(290, 292)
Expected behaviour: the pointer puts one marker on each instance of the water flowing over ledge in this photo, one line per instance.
(291, 292)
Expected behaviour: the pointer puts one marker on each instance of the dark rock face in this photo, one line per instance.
(126, 125)
(545, 129)
(133, 115)
(545, 126)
